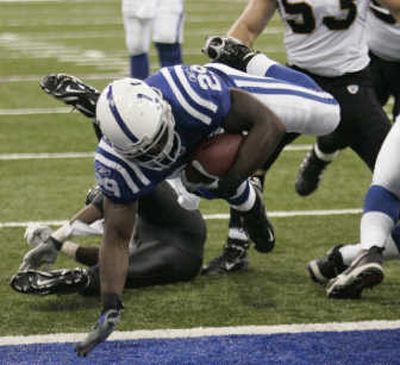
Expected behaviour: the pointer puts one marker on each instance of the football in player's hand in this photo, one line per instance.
(216, 156)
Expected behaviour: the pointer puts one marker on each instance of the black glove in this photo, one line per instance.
(106, 324)
(229, 51)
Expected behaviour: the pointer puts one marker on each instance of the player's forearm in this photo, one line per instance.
(252, 21)
(87, 214)
(119, 220)
(259, 144)
(114, 256)
(265, 131)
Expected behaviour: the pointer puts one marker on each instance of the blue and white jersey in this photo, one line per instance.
(200, 102)
(199, 99)
(301, 109)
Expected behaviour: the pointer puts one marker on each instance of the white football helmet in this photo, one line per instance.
(139, 124)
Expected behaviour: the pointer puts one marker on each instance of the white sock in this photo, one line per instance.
(327, 157)
(375, 228)
(350, 252)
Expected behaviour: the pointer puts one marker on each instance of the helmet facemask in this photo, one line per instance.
(162, 150)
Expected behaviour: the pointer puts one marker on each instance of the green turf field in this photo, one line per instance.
(85, 38)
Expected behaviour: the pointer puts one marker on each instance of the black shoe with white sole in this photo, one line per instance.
(232, 259)
(365, 272)
(62, 281)
(327, 267)
(72, 91)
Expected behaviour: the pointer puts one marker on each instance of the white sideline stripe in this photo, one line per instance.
(295, 213)
(277, 214)
(44, 155)
(207, 332)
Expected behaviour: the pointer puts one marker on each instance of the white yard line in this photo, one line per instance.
(44, 156)
(35, 111)
(61, 155)
(36, 78)
(276, 214)
(207, 332)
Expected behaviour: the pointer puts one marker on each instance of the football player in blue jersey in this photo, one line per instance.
(150, 129)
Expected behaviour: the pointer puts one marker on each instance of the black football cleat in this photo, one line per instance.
(327, 267)
(309, 174)
(232, 259)
(64, 281)
(229, 51)
(257, 224)
(365, 272)
(71, 91)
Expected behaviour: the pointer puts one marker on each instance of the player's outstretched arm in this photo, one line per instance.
(265, 131)
(252, 21)
(47, 248)
(119, 220)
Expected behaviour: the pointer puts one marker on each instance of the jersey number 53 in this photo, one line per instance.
(307, 22)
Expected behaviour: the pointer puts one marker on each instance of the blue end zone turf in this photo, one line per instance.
(355, 347)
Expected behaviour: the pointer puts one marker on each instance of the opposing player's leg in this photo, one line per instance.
(385, 76)
(363, 127)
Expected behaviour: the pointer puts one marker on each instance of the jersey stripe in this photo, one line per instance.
(255, 84)
(279, 91)
(189, 90)
(117, 116)
(121, 170)
(121, 164)
(226, 69)
(139, 173)
(185, 105)
(283, 86)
